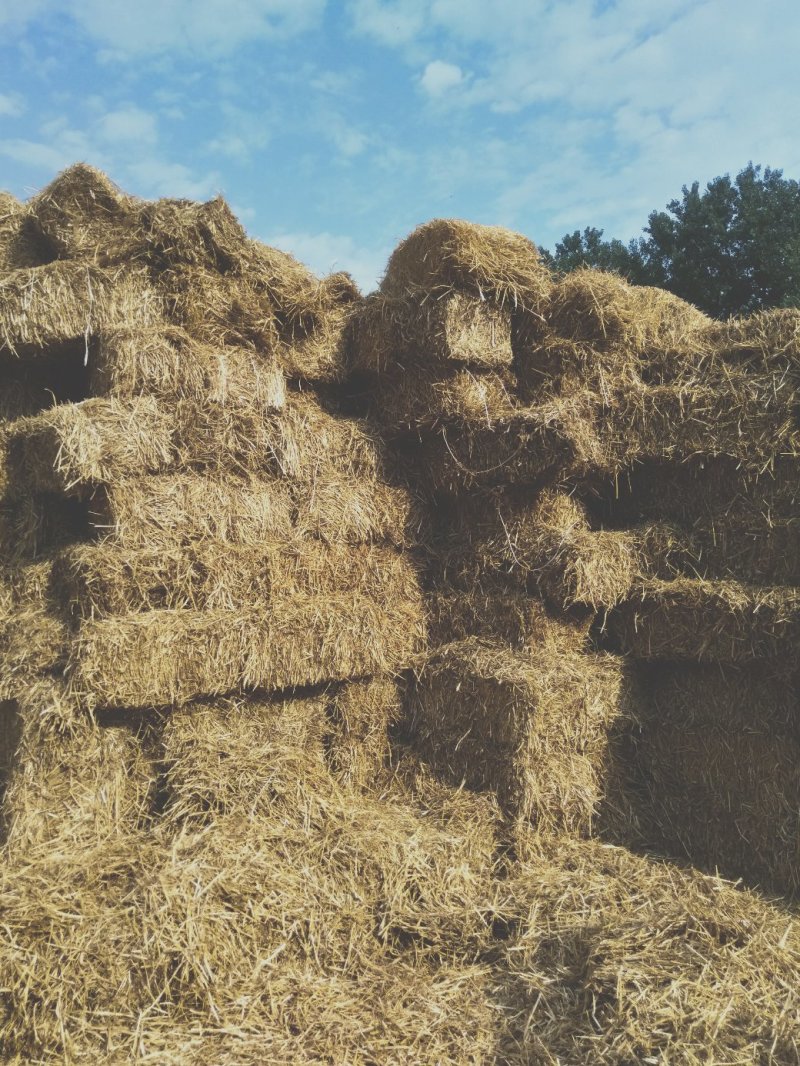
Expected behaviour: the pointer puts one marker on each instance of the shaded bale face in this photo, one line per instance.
(533, 729)
(408, 401)
(488, 262)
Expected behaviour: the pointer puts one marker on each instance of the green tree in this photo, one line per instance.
(731, 249)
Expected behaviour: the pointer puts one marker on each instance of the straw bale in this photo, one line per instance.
(360, 716)
(74, 782)
(751, 420)
(34, 634)
(422, 331)
(99, 580)
(74, 446)
(534, 728)
(766, 340)
(219, 309)
(487, 262)
(198, 234)
(359, 510)
(189, 507)
(603, 309)
(700, 620)
(616, 958)
(163, 657)
(546, 441)
(315, 330)
(498, 613)
(261, 755)
(34, 525)
(725, 800)
(49, 305)
(171, 365)
(758, 697)
(20, 245)
(427, 398)
(81, 214)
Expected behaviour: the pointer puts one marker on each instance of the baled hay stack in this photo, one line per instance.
(74, 446)
(72, 781)
(499, 611)
(425, 331)
(487, 262)
(70, 302)
(206, 235)
(100, 580)
(700, 620)
(347, 510)
(767, 340)
(726, 801)
(360, 718)
(190, 507)
(34, 634)
(758, 697)
(315, 330)
(171, 656)
(545, 540)
(20, 246)
(171, 365)
(418, 400)
(35, 524)
(534, 444)
(81, 214)
(750, 419)
(620, 959)
(532, 727)
(600, 330)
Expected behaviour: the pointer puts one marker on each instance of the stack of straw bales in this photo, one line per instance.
(308, 718)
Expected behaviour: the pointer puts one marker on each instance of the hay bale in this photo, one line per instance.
(360, 716)
(20, 246)
(100, 580)
(450, 331)
(74, 782)
(602, 309)
(766, 340)
(204, 235)
(315, 330)
(81, 214)
(501, 613)
(410, 400)
(726, 801)
(189, 507)
(618, 958)
(487, 262)
(171, 365)
(358, 510)
(34, 632)
(62, 302)
(534, 728)
(706, 620)
(75, 446)
(535, 444)
(162, 657)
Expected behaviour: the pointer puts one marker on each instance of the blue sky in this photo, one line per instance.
(334, 128)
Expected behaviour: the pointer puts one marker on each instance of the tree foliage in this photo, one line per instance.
(732, 248)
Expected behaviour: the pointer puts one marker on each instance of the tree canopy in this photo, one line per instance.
(733, 248)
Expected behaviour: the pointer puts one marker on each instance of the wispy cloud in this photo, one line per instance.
(326, 252)
(438, 77)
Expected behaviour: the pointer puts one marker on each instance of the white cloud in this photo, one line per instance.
(157, 177)
(438, 77)
(326, 253)
(11, 105)
(396, 22)
(128, 125)
(196, 26)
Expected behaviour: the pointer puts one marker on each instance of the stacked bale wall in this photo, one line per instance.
(324, 653)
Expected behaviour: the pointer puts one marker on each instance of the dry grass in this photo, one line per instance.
(360, 717)
(315, 330)
(707, 620)
(359, 510)
(171, 365)
(534, 728)
(406, 401)
(421, 331)
(157, 658)
(75, 446)
(49, 305)
(487, 262)
(34, 635)
(190, 507)
(20, 246)
(100, 580)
